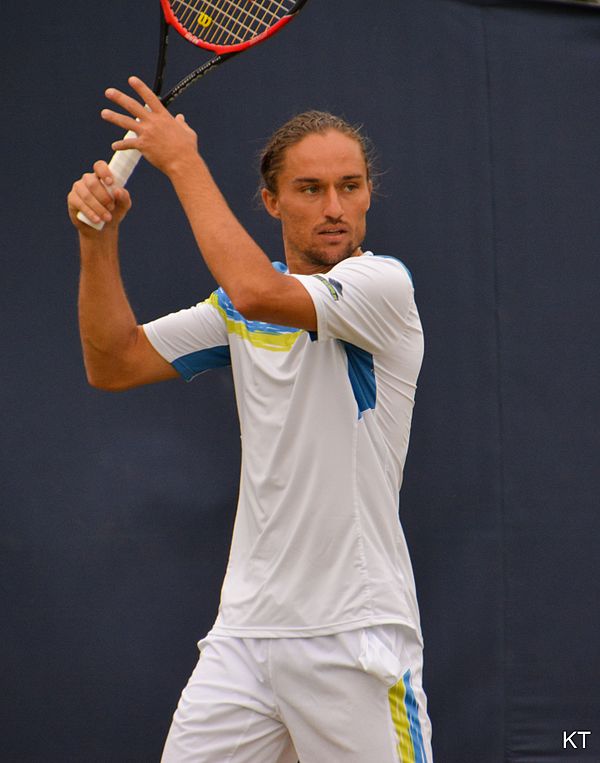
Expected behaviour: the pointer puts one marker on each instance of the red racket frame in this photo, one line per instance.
(221, 49)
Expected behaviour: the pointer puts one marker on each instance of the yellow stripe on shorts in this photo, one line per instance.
(404, 746)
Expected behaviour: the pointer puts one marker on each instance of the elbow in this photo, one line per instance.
(105, 382)
(108, 371)
(105, 385)
(248, 309)
(249, 303)
(259, 297)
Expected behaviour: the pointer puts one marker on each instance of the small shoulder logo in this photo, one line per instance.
(337, 286)
(334, 287)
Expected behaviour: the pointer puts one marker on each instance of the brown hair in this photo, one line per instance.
(297, 128)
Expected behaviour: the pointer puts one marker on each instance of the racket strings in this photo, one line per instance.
(229, 22)
(229, 12)
(229, 25)
(196, 20)
(246, 24)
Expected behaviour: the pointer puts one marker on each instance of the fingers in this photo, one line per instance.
(151, 130)
(138, 112)
(134, 107)
(92, 194)
(120, 120)
(91, 197)
(103, 173)
(148, 96)
(96, 193)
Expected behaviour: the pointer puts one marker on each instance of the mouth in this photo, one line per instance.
(332, 233)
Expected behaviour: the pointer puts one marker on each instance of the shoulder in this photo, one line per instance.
(376, 274)
(384, 264)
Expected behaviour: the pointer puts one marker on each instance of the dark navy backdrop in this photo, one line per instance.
(117, 509)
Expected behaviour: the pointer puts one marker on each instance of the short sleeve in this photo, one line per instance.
(366, 301)
(192, 340)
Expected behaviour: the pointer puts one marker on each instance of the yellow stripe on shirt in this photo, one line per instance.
(276, 342)
(404, 746)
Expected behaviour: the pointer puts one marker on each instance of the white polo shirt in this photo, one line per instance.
(325, 419)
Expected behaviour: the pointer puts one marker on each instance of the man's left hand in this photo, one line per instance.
(167, 142)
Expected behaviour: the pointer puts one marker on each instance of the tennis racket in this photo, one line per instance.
(224, 27)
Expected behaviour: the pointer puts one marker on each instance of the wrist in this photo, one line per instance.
(185, 166)
(95, 243)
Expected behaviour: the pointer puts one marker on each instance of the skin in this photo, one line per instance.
(321, 200)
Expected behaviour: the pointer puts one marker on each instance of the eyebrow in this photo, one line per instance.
(318, 180)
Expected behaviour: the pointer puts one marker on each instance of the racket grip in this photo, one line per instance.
(121, 166)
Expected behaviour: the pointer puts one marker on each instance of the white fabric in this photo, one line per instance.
(318, 699)
(317, 546)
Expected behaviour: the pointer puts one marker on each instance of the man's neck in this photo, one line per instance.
(303, 265)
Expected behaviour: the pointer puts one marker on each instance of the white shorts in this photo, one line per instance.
(353, 697)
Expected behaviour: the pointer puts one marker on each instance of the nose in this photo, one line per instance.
(333, 208)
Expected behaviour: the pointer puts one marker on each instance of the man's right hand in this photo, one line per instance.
(91, 196)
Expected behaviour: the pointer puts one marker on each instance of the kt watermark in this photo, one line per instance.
(576, 740)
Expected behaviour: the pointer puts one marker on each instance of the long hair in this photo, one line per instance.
(297, 128)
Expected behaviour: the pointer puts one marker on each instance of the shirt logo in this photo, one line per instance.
(334, 287)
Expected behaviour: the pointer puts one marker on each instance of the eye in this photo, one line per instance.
(310, 190)
(349, 187)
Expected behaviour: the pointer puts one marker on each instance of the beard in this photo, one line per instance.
(320, 257)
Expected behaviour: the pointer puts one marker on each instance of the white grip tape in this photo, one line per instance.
(121, 166)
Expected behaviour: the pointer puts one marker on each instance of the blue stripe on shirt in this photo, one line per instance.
(362, 377)
(201, 360)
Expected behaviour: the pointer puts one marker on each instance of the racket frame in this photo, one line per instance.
(225, 49)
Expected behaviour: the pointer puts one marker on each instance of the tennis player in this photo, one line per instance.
(316, 652)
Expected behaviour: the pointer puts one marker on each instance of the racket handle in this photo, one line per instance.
(121, 166)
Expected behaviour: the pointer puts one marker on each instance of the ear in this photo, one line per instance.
(271, 203)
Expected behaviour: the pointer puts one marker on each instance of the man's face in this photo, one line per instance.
(322, 199)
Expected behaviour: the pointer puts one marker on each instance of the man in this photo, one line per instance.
(316, 652)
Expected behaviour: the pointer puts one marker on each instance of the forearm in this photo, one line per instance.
(107, 325)
(237, 263)
(235, 260)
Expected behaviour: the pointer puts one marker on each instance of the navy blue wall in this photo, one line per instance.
(116, 510)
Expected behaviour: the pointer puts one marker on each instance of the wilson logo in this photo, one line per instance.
(203, 20)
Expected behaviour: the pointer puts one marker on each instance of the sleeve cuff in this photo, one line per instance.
(315, 291)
